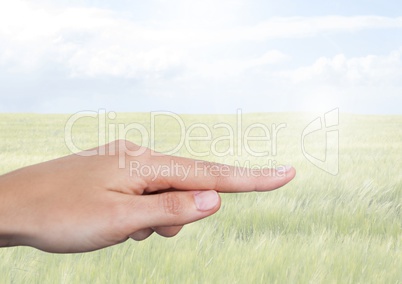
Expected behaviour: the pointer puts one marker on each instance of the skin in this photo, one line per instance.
(83, 203)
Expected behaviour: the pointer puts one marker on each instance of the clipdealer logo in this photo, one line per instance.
(238, 138)
(328, 124)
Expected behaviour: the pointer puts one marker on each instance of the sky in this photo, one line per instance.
(201, 56)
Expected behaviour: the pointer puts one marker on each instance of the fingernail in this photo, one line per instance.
(284, 169)
(287, 168)
(206, 200)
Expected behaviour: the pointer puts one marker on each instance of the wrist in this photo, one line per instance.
(9, 232)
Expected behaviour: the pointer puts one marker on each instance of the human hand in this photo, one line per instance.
(83, 203)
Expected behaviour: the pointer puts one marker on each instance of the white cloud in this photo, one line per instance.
(295, 27)
(119, 61)
(340, 70)
(92, 42)
(235, 67)
(353, 84)
(194, 53)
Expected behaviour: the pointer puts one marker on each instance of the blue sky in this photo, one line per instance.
(201, 56)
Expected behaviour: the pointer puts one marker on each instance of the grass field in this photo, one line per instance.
(319, 228)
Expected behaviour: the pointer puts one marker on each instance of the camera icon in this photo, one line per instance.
(330, 162)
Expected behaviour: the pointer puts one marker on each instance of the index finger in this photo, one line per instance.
(171, 172)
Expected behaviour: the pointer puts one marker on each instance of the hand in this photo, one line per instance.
(82, 203)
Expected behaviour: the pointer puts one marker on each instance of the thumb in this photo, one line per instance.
(174, 208)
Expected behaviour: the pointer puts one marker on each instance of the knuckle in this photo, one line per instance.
(171, 203)
(215, 171)
(123, 145)
(212, 169)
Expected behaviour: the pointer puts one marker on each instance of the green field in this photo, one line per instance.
(319, 228)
